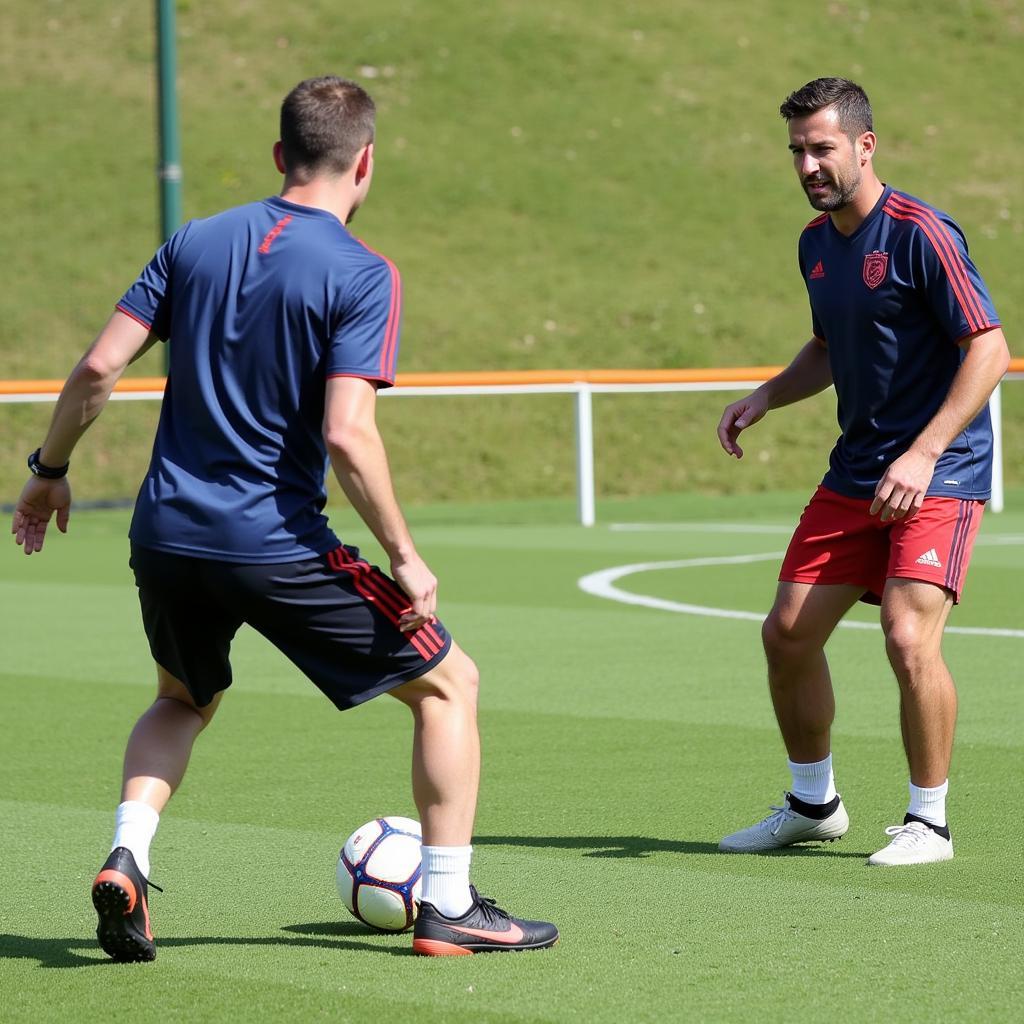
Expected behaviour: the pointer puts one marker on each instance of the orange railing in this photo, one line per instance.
(582, 384)
(472, 378)
(485, 378)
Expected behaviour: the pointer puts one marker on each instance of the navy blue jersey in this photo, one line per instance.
(891, 301)
(260, 304)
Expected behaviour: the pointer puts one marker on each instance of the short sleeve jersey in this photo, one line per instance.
(891, 301)
(260, 305)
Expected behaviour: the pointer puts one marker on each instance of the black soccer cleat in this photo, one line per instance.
(119, 896)
(484, 928)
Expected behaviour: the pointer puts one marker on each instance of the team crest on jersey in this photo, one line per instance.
(875, 265)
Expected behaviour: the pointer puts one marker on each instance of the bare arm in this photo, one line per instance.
(904, 484)
(808, 374)
(83, 397)
(360, 463)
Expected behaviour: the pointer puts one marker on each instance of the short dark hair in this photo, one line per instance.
(325, 122)
(849, 99)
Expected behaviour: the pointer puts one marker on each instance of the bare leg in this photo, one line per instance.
(445, 780)
(154, 765)
(446, 748)
(914, 615)
(794, 635)
(161, 743)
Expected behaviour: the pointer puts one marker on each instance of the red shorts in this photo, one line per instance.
(837, 541)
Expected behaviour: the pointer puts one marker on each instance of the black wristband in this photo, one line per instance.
(46, 472)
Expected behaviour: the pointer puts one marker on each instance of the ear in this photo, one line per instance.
(279, 158)
(866, 145)
(364, 163)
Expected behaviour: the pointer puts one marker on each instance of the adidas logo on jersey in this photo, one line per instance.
(818, 271)
(930, 557)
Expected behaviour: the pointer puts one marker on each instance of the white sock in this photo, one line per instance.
(136, 826)
(929, 804)
(813, 783)
(446, 879)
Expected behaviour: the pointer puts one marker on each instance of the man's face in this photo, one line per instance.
(827, 162)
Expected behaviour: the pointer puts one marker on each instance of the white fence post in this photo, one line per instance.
(995, 408)
(584, 455)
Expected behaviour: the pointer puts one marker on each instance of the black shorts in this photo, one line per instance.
(336, 618)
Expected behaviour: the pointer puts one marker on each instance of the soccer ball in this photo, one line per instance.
(378, 873)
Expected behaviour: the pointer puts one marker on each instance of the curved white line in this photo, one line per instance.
(602, 584)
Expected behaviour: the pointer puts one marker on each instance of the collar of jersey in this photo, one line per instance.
(876, 211)
(309, 211)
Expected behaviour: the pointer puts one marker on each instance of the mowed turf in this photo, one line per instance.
(621, 742)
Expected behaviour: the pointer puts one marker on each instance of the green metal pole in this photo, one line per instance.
(169, 169)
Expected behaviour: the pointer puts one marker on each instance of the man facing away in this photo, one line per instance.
(282, 327)
(904, 328)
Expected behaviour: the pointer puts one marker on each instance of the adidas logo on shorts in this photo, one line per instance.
(930, 557)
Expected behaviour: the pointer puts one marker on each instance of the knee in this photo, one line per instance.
(907, 648)
(781, 639)
(186, 710)
(175, 694)
(455, 681)
(463, 681)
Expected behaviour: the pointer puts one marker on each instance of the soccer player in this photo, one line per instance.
(904, 328)
(282, 328)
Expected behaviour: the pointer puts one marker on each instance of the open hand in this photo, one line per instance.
(39, 500)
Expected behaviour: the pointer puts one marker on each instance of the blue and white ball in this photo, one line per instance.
(379, 871)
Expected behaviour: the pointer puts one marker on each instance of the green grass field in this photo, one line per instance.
(621, 742)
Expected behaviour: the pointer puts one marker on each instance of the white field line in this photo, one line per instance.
(602, 584)
(995, 540)
(1001, 540)
(697, 528)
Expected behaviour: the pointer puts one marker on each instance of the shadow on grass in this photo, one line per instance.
(644, 846)
(65, 952)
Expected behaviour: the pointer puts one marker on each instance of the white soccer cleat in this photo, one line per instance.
(788, 825)
(913, 843)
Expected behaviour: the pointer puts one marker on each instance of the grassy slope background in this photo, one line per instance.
(562, 184)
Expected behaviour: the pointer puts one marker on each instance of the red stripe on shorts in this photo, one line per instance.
(370, 597)
(432, 633)
(962, 530)
(390, 591)
(396, 602)
(392, 603)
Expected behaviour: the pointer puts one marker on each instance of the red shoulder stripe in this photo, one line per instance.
(944, 234)
(389, 349)
(949, 255)
(390, 355)
(945, 249)
(820, 219)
